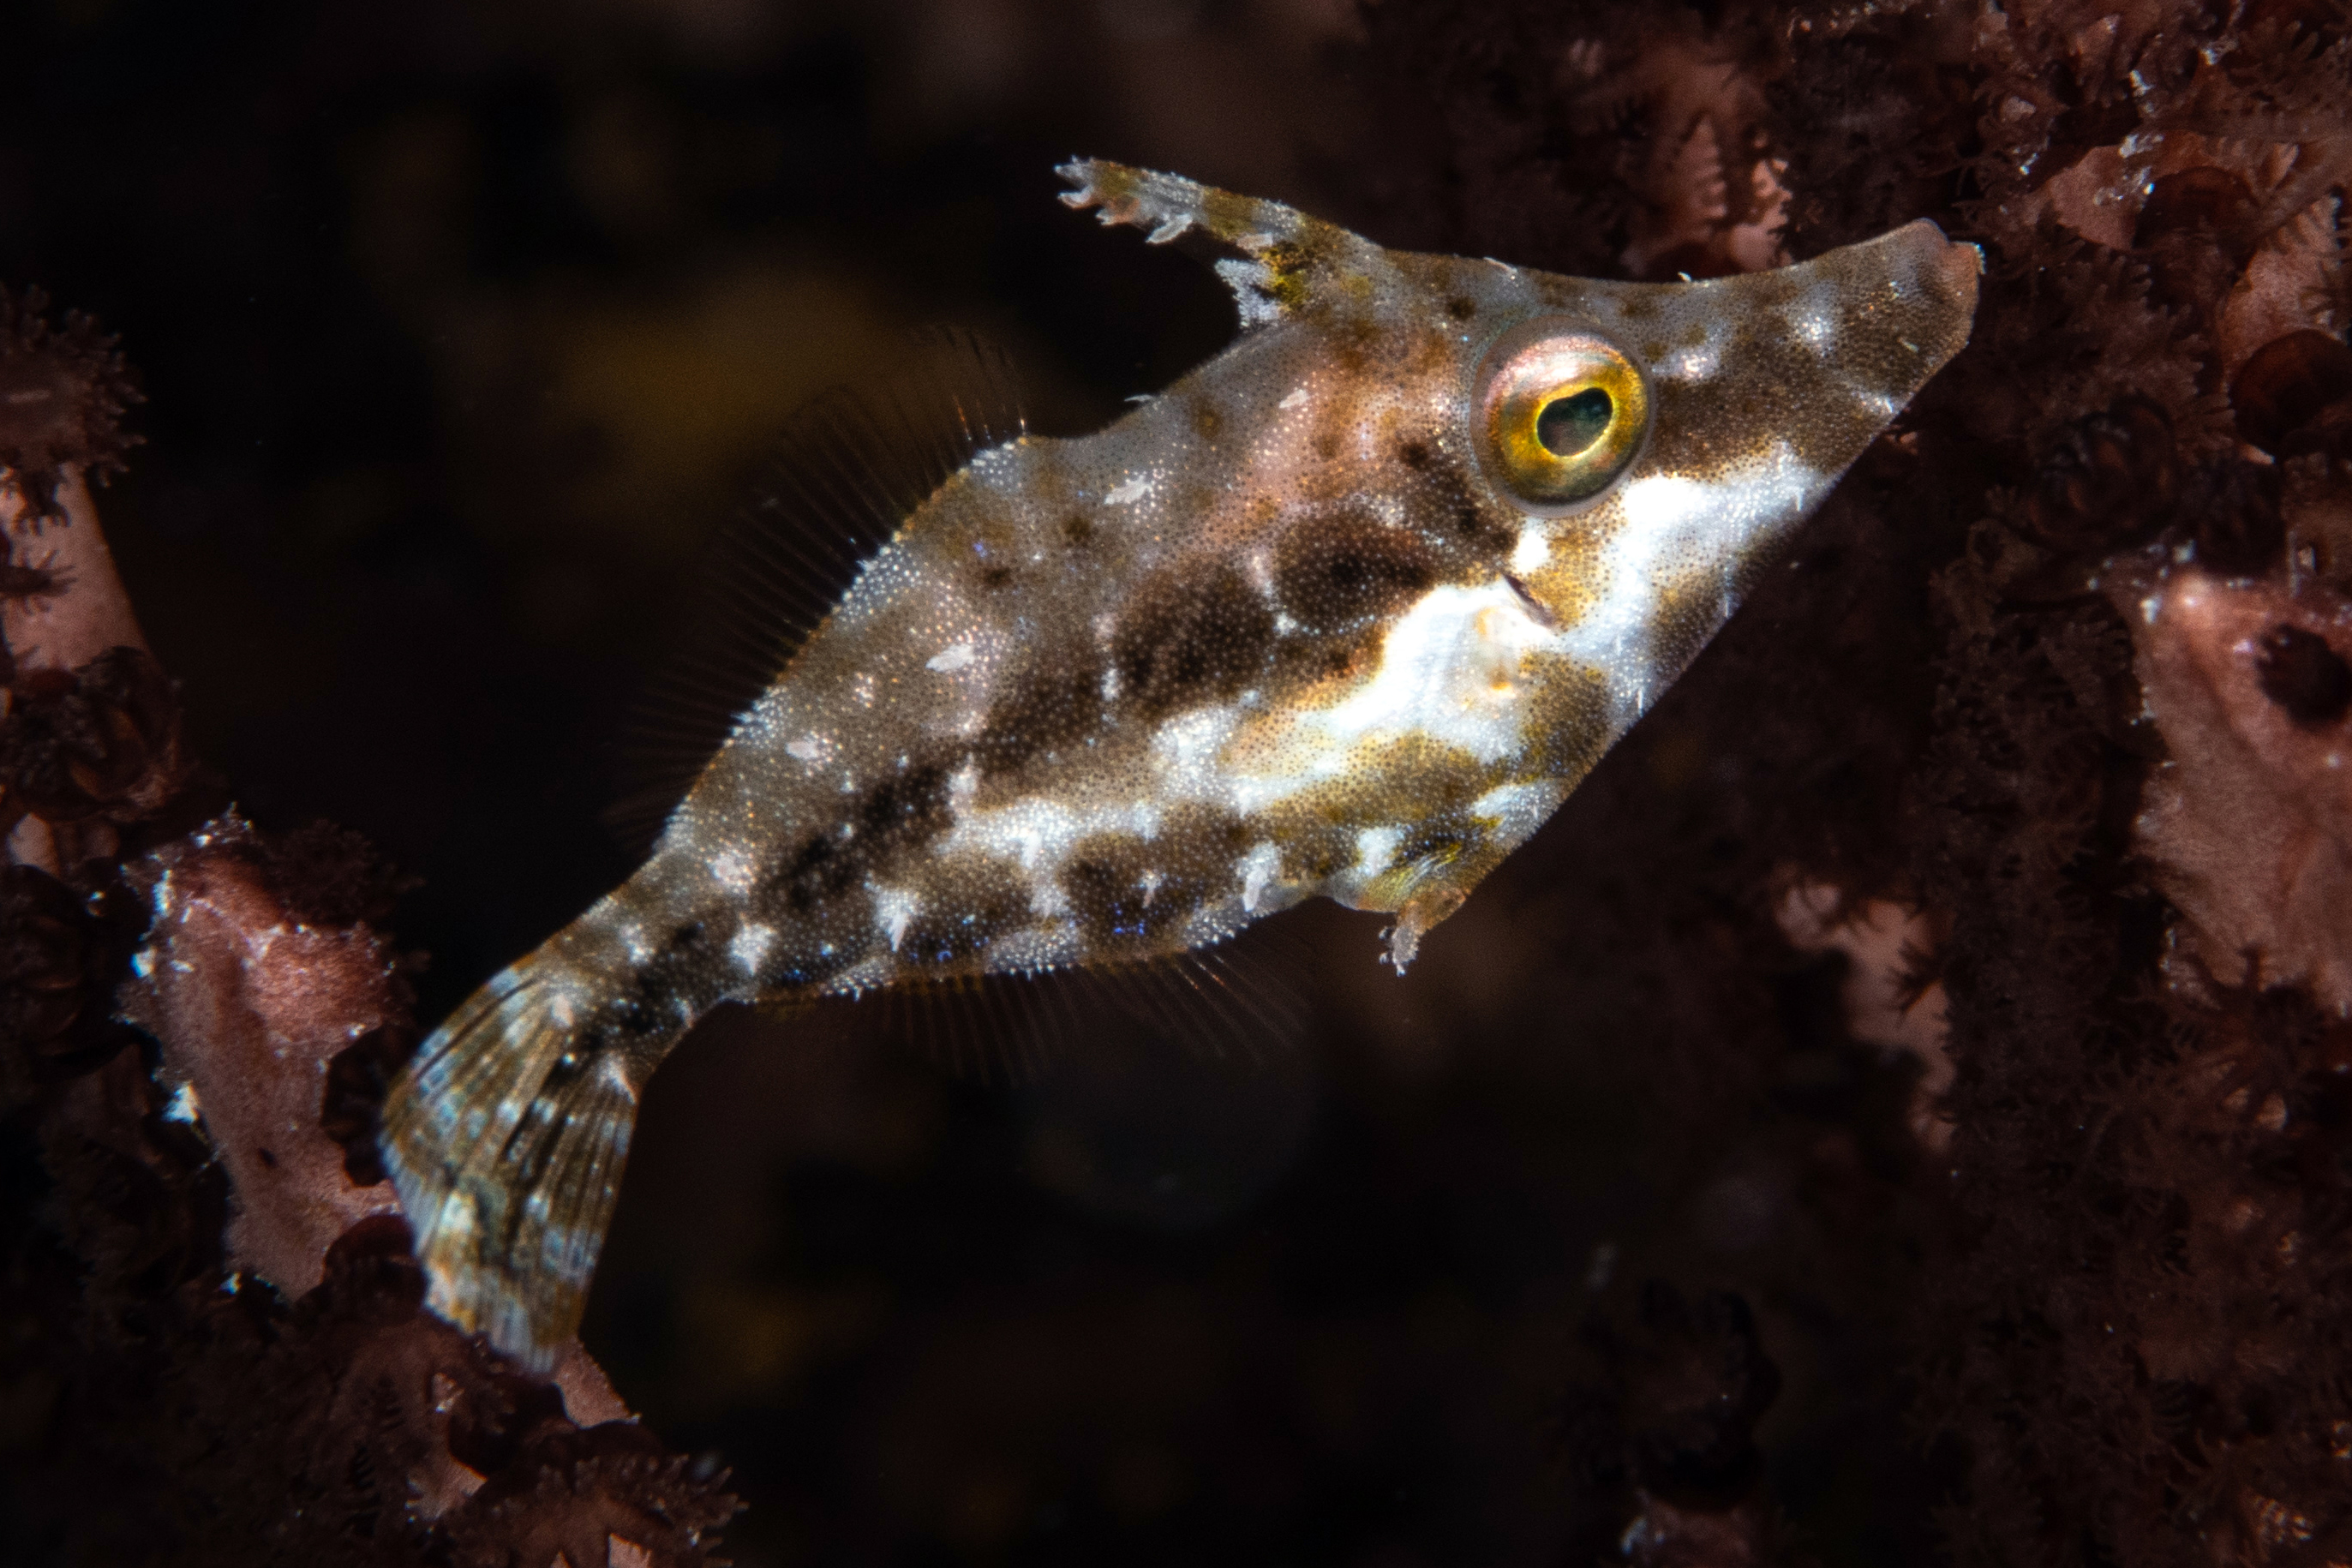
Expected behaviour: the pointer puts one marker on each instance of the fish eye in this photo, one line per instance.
(1559, 413)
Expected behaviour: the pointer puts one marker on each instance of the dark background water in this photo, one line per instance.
(462, 326)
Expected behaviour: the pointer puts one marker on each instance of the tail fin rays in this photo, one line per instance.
(506, 1140)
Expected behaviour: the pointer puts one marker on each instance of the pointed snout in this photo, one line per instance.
(1906, 303)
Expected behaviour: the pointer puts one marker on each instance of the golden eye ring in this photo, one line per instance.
(1559, 411)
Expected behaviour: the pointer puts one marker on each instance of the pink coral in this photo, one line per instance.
(2247, 825)
(251, 1004)
(350, 1425)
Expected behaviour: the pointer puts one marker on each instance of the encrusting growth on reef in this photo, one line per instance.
(2104, 760)
(212, 1319)
(63, 388)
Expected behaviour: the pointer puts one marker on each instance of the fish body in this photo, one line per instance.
(1346, 611)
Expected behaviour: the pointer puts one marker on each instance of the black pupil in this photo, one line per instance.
(1567, 425)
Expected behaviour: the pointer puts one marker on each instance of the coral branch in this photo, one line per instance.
(197, 1023)
(2248, 824)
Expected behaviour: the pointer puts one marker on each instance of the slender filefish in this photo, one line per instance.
(1347, 610)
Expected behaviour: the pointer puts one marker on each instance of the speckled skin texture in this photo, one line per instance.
(1278, 632)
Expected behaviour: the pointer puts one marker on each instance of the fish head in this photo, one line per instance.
(1658, 444)
(1674, 431)
(1447, 527)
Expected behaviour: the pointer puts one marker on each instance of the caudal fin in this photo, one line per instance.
(505, 1139)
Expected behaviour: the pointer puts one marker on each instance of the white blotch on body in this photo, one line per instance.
(1533, 552)
(750, 945)
(1376, 849)
(1133, 489)
(733, 870)
(1189, 752)
(1695, 362)
(810, 748)
(1813, 319)
(894, 909)
(1257, 869)
(1453, 669)
(1674, 536)
(1253, 302)
(1516, 810)
(948, 660)
(1882, 407)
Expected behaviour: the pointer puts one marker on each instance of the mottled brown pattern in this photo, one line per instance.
(1190, 636)
(1280, 632)
(1348, 571)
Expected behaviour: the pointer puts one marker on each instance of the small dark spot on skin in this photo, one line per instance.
(1206, 420)
(1447, 492)
(1461, 309)
(640, 1012)
(965, 926)
(2301, 673)
(1480, 529)
(994, 577)
(646, 1007)
(1104, 880)
(1078, 529)
(896, 813)
(1057, 702)
(1335, 573)
(1107, 897)
(1416, 454)
(1358, 339)
(26, 582)
(1327, 446)
(268, 1159)
(1190, 634)
(1471, 523)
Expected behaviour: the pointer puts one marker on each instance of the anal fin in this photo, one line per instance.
(1244, 998)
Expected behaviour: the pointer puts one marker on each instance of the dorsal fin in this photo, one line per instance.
(1274, 258)
(847, 470)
